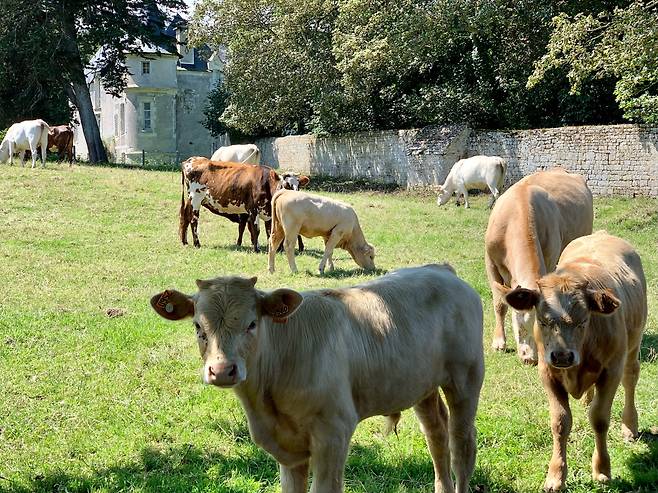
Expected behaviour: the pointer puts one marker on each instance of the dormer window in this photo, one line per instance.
(146, 68)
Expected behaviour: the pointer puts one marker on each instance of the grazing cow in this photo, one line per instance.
(477, 172)
(226, 189)
(308, 367)
(589, 319)
(295, 213)
(528, 228)
(243, 153)
(25, 136)
(60, 140)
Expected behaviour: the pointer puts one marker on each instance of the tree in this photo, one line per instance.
(620, 44)
(72, 31)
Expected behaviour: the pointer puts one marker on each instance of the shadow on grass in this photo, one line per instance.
(147, 167)
(643, 468)
(343, 273)
(649, 348)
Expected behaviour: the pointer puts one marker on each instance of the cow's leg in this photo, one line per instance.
(330, 260)
(522, 326)
(289, 247)
(294, 479)
(494, 195)
(629, 428)
(185, 220)
(329, 245)
(276, 238)
(22, 155)
(558, 402)
(301, 244)
(499, 305)
(11, 154)
(194, 223)
(44, 155)
(33, 152)
(330, 441)
(599, 418)
(433, 418)
(465, 193)
(255, 230)
(242, 222)
(462, 395)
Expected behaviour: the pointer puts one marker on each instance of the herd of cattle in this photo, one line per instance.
(309, 366)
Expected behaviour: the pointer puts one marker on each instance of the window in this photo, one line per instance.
(146, 68)
(147, 117)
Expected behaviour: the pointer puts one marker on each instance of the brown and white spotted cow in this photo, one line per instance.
(226, 189)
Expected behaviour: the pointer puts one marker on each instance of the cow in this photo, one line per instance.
(477, 172)
(528, 228)
(226, 189)
(308, 367)
(25, 136)
(299, 213)
(242, 153)
(60, 140)
(589, 319)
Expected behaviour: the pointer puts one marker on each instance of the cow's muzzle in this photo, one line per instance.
(221, 374)
(563, 358)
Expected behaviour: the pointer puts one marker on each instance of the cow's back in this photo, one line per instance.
(381, 343)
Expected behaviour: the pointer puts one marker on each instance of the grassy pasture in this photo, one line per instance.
(90, 402)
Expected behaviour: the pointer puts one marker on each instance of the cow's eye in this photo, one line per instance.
(197, 326)
(252, 326)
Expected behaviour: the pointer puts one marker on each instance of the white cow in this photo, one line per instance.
(477, 172)
(244, 153)
(24, 136)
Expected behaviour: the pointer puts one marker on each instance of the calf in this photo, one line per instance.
(308, 367)
(240, 153)
(528, 228)
(226, 189)
(295, 213)
(25, 136)
(590, 315)
(477, 172)
(60, 140)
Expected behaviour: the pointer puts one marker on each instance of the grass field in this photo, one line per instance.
(90, 402)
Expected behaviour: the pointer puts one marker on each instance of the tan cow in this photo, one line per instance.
(299, 213)
(528, 228)
(308, 367)
(590, 315)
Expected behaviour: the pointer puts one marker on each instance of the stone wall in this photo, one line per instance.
(616, 159)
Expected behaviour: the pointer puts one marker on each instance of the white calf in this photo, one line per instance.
(477, 172)
(23, 136)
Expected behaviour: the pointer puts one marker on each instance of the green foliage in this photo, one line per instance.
(94, 404)
(344, 65)
(619, 44)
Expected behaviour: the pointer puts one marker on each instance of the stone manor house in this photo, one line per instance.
(161, 108)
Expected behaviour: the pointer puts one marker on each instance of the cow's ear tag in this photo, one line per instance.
(173, 305)
(281, 304)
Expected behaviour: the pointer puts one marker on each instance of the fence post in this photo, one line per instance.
(143, 158)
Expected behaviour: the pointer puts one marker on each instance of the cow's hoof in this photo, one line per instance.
(627, 434)
(553, 484)
(600, 477)
(498, 344)
(529, 361)
(527, 354)
(197, 245)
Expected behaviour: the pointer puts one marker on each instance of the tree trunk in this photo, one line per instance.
(79, 93)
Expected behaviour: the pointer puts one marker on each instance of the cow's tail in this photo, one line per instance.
(502, 162)
(254, 157)
(392, 421)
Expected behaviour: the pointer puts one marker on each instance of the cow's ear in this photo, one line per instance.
(274, 176)
(303, 181)
(601, 301)
(280, 304)
(173, 305)
(522, 299)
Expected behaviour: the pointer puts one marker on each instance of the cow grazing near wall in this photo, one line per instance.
(240, 153)
(589, 319)
(60, 140)
(477, 172)
(226, 189)
(299, 213)
(25, 136)
(528, 228)
(308, 367)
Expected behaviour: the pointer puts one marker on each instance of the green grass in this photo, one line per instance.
(93, 403)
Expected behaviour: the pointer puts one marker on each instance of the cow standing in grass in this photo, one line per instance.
(528, 228)
(308, 367)
(477, 172)
(25, 136)
(589, 319)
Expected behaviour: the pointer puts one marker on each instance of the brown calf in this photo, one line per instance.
(590, 315)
